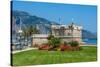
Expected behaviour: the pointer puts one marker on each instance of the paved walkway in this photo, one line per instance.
(17, 51)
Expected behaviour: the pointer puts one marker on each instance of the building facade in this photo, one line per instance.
(65, 32)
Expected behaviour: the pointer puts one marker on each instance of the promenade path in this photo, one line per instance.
(17, 51)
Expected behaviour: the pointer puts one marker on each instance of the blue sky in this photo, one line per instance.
(84, 15)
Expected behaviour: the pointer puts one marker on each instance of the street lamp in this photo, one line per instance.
(20, 34)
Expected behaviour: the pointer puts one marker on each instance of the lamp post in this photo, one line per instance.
(20, 34)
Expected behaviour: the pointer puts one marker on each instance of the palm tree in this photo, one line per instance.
(71, 28)
(28, 32)
(62, 31)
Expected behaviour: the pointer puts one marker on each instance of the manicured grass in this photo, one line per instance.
(36, 57)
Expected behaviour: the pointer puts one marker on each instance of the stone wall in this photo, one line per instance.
(40, 39)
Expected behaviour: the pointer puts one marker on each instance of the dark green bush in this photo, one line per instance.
(74, 43)
(54, 42)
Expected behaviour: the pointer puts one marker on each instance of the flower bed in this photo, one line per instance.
(56, 45)
(61, 47)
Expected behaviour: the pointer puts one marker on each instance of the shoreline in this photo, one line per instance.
(88, 44)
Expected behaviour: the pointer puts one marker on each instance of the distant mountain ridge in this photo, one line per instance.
(27, 18)
(88, 35)
(42, 24)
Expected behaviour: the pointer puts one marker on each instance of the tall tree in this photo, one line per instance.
(71, 27)
(28, 32)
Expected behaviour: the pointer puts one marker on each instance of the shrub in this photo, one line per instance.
(54, 42)
(74, 43)
(50, 37)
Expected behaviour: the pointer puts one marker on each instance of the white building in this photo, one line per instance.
(65, 32)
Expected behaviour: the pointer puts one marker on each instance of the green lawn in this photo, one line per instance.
(36, 57)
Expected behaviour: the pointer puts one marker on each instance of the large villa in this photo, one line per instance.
(62, 31)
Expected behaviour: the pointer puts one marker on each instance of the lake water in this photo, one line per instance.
(90, 41)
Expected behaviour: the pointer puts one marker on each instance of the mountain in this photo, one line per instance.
(42, 24)
(88, 34)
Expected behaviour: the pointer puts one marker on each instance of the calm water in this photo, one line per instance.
(90, 41)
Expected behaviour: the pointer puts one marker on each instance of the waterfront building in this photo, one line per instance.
(65, 32)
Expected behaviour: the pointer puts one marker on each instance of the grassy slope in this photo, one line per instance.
(34, 57)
